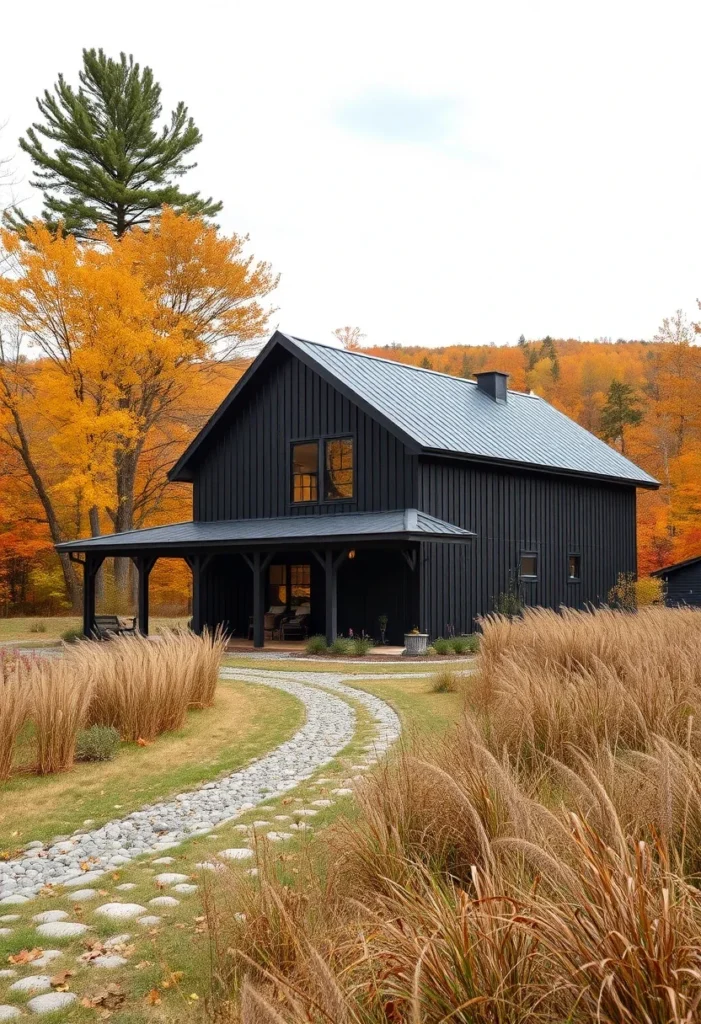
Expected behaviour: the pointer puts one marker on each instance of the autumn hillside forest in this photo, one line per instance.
(127, 314)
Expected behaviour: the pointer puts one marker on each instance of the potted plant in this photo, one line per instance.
(383, 620)
(415, 643)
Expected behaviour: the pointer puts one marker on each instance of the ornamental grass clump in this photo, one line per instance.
(499, 874)
(14, 710)
(143, 687)
(59, 702)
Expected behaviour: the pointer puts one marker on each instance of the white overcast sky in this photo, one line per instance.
(435, 173)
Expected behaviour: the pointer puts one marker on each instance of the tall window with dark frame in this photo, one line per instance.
(338, 469)
(574, 567)
(305, 471)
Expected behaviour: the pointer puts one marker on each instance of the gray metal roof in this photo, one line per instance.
(451, 415)
(399, 524)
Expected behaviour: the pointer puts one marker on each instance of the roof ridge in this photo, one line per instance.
(409, 366)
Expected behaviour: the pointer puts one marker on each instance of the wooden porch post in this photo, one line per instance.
(90, 567)
(331, 597)
(144, 565)
(258, 565)
(330, 566)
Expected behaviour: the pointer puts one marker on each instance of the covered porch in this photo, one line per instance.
(286, 578)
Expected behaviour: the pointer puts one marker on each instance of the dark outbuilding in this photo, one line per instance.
(332, 489)
(682, 582)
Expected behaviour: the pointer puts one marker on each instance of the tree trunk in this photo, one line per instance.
(124, 519)
(95, 531)
(70, 576)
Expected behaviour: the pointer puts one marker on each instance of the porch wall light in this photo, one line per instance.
(351, 554)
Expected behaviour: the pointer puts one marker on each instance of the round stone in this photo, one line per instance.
(15, 900)
(4, 932)
(8, 972)
(50, 915)
(61, 930)
(84, 879)
(170, 878)
(149, 921)
(84, 894)
(185, 888)
(277, 837)
(343, 791)
(8, 918)
(164, 901)
(322, 803)
(109, 961)
(126, 886)
(236, 853)
(47, 957)
(117, 940)
(8, 1012)
(51, 1001)
(120, 911)
(164, 860)
(34, 983)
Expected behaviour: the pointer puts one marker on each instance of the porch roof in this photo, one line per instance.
(407, 524)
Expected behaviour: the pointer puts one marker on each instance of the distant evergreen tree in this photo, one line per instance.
(522, 340)
(466, 368)
(619, 412)
(548, 351)
(109, 162)
(426, 363)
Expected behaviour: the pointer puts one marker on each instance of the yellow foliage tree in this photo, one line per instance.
(121, 323)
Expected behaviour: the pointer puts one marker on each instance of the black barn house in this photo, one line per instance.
(332, 488)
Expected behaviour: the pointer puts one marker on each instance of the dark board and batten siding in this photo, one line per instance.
(245, 472)
(513, 512)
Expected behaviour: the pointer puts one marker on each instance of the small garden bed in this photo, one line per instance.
(361, 647)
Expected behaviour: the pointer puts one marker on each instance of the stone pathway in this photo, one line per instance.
(79, 860)
(329, 727)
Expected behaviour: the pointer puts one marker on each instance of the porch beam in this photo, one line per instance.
(91, 566)
(409, 558)
(144, 564)
(258, 564)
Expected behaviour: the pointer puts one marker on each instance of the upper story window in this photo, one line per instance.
(529, 565)
(338, 468)
(305, 471)
(337, 471)
(574, 567)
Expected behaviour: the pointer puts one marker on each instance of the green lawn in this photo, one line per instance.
(365, 667)
(24, 630)
(245, 722)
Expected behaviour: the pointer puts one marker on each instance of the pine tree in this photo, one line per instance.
(619, 412)
(110, 162)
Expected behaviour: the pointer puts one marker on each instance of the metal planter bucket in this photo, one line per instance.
(415, 644)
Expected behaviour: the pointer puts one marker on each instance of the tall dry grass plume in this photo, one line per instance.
(143, 687)
(59, 701)
(539, 864)
(14, 709)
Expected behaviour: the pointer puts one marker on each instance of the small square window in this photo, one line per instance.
(574, 563)
(529, 566)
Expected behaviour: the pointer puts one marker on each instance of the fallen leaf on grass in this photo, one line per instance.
(153, 998)
(142, 965)
(142, 742)
(60, 980)
(172, 979)
(108, 998)
(25, 956)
